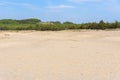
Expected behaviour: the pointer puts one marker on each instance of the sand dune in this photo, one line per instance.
(60, 55)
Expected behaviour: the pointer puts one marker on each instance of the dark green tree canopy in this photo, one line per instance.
(29, 21)
(24, 21)
(8, 21)
(55, 22)
(67, 22)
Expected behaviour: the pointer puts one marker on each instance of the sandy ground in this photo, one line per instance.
(60, 55)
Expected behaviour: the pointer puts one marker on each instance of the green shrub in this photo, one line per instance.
(35, 24)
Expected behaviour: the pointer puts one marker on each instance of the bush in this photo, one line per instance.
(35, 24)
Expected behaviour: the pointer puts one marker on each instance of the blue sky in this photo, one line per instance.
(61, 10)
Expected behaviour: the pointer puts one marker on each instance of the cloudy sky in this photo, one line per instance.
(61, 10)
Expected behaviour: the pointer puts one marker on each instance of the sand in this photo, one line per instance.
(60, 55)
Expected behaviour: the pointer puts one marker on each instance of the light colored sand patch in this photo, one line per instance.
(60, 55)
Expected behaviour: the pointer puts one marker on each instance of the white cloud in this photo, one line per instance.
(60, 7)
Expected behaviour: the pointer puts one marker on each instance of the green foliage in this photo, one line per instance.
(35, 24)
(68, 22)
(29, 21)
(8, 21)
(55, 22)
(101, 25)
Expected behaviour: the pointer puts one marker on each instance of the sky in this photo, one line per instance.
(78, 11)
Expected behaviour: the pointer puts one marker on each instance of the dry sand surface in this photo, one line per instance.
(60, 55)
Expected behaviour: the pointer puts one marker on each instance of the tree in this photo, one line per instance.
(29, 21)
(55, 22)
(101, 25)
(116, 24)
(8, 21)
(93, 25)
(68, 22)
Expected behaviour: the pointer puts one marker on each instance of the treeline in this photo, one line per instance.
(36, 24)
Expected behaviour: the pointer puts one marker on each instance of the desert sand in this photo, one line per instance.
(60, 55)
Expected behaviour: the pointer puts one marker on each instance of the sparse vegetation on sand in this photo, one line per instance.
(36, 24)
